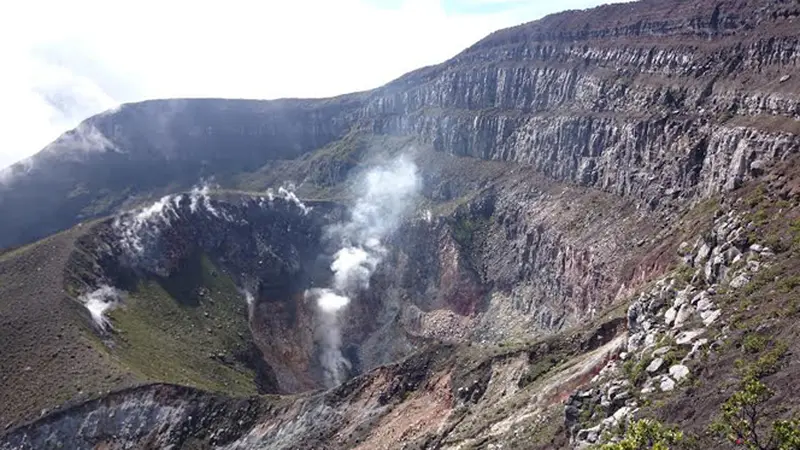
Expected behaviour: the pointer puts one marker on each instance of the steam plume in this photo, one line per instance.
(99, 301)
(385, 194)
(139, 227)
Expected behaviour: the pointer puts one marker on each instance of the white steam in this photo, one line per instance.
(138, 226)
(385, 195)
(99, 301)
(84, 138)
(288, 195)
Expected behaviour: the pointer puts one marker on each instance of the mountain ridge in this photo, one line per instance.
(606, 230)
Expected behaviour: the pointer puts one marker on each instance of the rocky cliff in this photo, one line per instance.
(600, 189)
(654, 101)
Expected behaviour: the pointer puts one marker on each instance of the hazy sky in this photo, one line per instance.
(63, 61)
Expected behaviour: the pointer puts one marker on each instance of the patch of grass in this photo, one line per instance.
(167, 334)
(635, 370)
(760, 217)
(536, 371)
(754, 343)
(684, 275)
(769, 362)
(758, 195)
(788, 284)
(465, 228)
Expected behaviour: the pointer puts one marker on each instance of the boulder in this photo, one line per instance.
(684, 314)
(686, 337)
(740, 281)
(710, 316)
(704, 304)
(669, 316)
(678, 372)
(661, 351)
(655, 365)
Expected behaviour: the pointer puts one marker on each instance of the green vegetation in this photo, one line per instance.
(684, 275)
(465, 227)
(635, 370)
(537, 370)
(769, 362)
(646, 434)
(754, 343)
(743, 417)
(788, 284)
(186, 329)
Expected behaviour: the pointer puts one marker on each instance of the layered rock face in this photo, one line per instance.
(654, 101)
(557, 157)
(621, 98)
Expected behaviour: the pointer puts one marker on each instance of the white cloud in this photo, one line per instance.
(64, 61)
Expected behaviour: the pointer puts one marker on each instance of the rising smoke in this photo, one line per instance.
(385, 195)
(99, 301)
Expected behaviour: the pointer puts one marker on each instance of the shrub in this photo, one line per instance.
(646, 434)
(743, 416)
(754, 343)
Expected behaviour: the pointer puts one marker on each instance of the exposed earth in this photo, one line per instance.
(572, 225)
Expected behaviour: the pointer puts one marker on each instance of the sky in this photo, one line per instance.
(65, 61)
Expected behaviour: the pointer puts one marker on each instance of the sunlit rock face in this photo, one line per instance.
(586, 135)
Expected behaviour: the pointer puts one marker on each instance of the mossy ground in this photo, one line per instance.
(167, 331)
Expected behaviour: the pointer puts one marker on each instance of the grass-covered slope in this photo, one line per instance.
(190, 329)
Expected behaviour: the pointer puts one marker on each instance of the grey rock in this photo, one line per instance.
(710, 316)
(704, 304)
(661, 351)
(667, 384)
(686, 337)
(702, 254)
(731, 254)
(669, 316)
(589, 434)
(684, 314)
(656, 304)
(651, 338)
(655, 365)
(678, 372)
(739, 281)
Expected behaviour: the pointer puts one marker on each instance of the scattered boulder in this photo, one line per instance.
(679, 372)
(661, 351)
(667, 384)
(704, 304)
(740, 281)
(686, 337)
(710, 316)
(669, 316)
(655, 365)
(684, 314)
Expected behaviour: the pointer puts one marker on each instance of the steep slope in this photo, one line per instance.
(606, 224)
(562, 391)
(659, 107)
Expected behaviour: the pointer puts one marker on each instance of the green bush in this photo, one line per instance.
(646, 434)
(754, 343)
(742, 420)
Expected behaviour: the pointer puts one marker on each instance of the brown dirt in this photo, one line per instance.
(49, 356)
